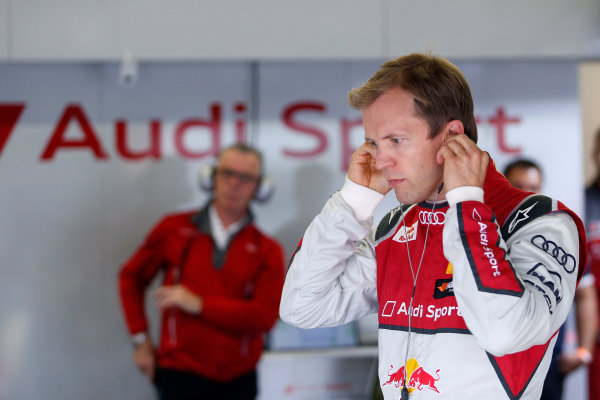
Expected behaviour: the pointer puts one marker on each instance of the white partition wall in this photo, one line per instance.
(87, 166)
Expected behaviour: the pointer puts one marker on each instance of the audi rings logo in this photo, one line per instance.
(565, 259)
(433, 218)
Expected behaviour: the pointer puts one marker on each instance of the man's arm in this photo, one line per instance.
(512, 296)
(332, 278)
(517, 295)
(144, 356)
(586, 306)
(134, 277)
(586, 313)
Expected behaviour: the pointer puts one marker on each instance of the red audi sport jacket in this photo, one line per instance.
(240, 288)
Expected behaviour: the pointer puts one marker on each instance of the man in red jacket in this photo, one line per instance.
(222, 281)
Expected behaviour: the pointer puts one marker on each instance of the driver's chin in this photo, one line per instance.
(414, 197)
(404, 198)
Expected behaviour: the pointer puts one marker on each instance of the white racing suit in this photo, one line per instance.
(496, 282)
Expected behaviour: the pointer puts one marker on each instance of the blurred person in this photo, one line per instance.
(468, 290)
(222, 281)
(592, 220)
(527, 175)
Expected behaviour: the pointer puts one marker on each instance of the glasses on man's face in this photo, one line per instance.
(228, 174)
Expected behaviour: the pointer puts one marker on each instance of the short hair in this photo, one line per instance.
(523, 164)
(243, 148)
(439, 89)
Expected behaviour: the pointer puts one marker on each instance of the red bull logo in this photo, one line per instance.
(416, 376)
(395, 378)
(406, 234)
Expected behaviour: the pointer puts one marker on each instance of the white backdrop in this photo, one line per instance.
(74, 210)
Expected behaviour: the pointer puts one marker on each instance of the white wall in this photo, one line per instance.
(33, 30)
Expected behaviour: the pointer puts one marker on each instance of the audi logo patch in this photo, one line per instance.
(433, 218)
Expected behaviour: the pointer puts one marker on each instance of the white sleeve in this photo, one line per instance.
(517, 294)
(332, 279)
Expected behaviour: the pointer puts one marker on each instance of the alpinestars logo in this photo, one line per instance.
(405, 234)
(521, 216)
(416, 376)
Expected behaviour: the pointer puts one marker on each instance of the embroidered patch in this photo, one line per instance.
(443, 288)
(405, 234)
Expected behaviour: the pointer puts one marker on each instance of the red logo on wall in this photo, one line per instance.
(9, 115)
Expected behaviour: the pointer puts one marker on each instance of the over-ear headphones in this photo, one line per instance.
(263, 192)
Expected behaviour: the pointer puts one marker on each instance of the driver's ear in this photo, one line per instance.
(454, 127)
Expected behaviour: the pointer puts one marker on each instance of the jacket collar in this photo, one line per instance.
(202, 220)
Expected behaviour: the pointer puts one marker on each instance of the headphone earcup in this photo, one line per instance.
(207, 177)
(265, 189)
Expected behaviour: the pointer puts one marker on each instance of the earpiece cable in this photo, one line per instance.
(404, 393)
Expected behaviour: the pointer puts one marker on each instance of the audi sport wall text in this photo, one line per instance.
(74, 115)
